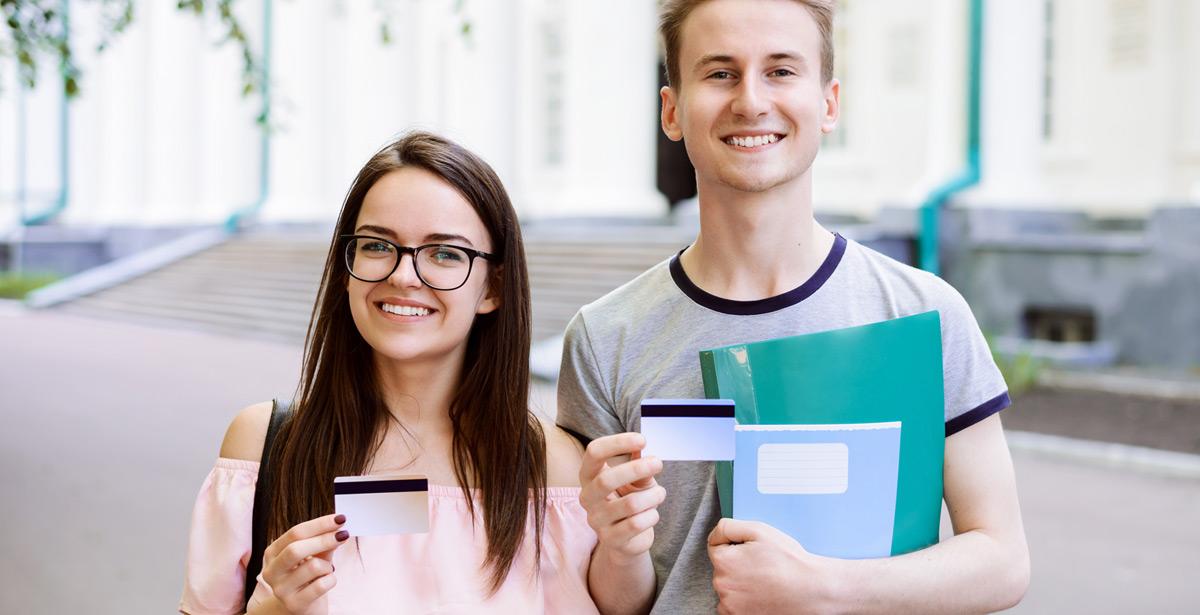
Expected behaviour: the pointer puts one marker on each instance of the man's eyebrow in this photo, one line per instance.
(786, 55)
(713, 58)
(721, 58)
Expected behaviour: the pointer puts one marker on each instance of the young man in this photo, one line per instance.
(751, 94)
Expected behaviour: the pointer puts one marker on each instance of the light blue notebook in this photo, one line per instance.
(831, 487)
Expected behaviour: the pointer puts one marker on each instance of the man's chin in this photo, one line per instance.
(753, 183)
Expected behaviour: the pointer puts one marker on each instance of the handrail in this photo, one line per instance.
(235, 220)
(64, 141)
(930, 210)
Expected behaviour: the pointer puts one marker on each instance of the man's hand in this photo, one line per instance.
(759, 569)
(621, 500)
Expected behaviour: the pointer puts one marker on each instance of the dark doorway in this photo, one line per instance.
(674, 175)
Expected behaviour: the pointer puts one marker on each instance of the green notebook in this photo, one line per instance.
(879, 373)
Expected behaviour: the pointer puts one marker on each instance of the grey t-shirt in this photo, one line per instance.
(643, 340)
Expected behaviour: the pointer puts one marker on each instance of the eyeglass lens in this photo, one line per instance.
(439, 267)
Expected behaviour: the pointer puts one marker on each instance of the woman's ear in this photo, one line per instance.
(491, 301)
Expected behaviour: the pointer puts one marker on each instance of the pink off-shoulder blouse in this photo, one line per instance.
(438, 572)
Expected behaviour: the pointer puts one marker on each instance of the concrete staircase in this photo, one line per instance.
(258, 285)
(264, 284)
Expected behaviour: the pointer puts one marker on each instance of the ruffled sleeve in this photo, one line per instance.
(568, 544)
(219, 540)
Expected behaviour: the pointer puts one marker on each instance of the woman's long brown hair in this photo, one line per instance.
(340, 416)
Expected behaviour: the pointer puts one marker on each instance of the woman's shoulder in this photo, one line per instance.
(563, 456)
(246, 433)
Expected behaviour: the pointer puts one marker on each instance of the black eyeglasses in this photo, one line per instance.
(439, 266)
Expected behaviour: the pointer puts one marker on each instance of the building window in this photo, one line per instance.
(841, 48)
(553, 83)
(1060, 324)
(1048, 74)
(1128, 37)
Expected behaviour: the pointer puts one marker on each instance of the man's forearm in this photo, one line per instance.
(972, 572)
(621, 587)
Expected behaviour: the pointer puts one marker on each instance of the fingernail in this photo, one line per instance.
(341, 535)
(340, 519)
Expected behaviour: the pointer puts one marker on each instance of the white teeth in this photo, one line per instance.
(405, 310)
(752, 141)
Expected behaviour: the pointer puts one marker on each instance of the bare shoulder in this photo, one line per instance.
(245, 436)
(563, 456)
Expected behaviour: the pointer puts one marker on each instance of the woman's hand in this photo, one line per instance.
(299, 569)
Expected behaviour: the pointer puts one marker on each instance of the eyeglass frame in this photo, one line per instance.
(412, 251)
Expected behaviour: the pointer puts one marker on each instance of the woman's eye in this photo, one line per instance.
(445, 255)
(376, 247)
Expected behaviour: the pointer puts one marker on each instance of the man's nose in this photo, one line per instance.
(751, 99)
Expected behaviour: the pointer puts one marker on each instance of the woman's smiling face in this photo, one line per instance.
(400, 317)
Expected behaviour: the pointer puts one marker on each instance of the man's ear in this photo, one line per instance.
(833, 106)
(491, 301)
(670, 113)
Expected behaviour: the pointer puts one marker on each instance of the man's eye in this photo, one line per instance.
(782, 72)
(721, 74)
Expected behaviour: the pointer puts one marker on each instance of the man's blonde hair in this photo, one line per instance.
(675, 12)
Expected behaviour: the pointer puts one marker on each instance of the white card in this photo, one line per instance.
(382, 504)
(689, 429)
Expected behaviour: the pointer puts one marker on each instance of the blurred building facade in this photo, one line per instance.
(1082, 229)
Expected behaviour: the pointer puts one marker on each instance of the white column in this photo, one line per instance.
(108, 125)
(227, 139)
(1011, 131)
(173, 117)
(310, 85)
(160, 134)
(609, 113)
(946, 114)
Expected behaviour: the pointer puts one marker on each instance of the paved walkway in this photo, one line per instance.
(110, 428)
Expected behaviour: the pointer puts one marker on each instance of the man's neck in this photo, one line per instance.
(755, 245)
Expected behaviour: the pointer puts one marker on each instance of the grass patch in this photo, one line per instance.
(17, 285)
(1021, 372)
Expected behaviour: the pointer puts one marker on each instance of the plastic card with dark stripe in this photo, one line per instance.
(689, 429)
(378, 505)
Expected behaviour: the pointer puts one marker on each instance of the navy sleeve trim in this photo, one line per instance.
(982, 411)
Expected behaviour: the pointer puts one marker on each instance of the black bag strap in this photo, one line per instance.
(262, 498)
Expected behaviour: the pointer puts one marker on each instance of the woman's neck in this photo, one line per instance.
(419, 395)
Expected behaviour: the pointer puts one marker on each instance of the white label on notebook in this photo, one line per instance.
(803, 469)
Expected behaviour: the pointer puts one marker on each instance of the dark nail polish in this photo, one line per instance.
(342, 535)
(334, 567)
(340, 519)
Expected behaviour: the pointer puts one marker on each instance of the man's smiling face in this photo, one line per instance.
(750, 105)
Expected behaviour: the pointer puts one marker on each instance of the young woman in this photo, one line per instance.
(417, 362)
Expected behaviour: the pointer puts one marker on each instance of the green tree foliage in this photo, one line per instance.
(39, 28)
